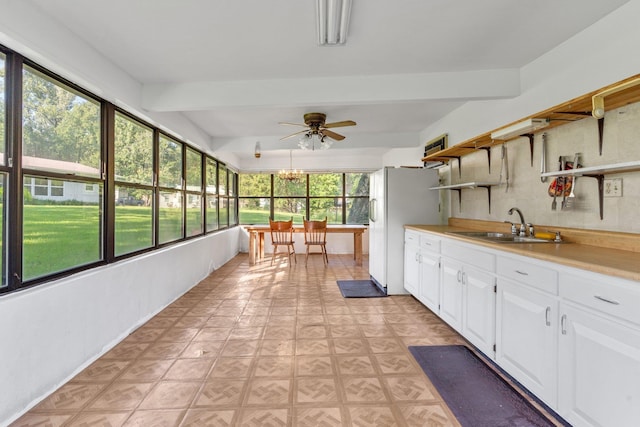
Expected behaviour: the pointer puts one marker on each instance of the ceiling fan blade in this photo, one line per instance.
(339, 124)
(332, 135)
(292, 124)
(294, 134)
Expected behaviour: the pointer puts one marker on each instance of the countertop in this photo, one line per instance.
(613, 262)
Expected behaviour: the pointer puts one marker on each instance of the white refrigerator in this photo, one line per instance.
(397, 196)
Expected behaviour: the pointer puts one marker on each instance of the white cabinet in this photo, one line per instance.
(526, 337)
(429, 289)
(451, 293)
(467, 300)
(412, 262)
(422, 268)
(599, 357)
(527, 324)
(479, 309)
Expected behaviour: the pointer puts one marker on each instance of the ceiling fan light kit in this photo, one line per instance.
(333, 21)
(309, 141)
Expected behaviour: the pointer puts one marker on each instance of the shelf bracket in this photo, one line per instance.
(459, 163)
(600, 179)
(488, 187)
(459, 191)
(600, 133)
(488, 150)
(530, 136)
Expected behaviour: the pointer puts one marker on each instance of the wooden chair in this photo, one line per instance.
(282, 235)
(315, 233)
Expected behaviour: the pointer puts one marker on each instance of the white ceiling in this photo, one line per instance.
(238, 67)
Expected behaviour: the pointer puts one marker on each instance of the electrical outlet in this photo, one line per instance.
(613, 187)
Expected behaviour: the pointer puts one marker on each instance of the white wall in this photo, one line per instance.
(53, 331)
(527, 192)
(50, 332)
(26, 30)
(601, 55)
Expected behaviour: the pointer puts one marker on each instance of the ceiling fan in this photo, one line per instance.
(317, 129)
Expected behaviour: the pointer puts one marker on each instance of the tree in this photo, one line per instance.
(58, 123)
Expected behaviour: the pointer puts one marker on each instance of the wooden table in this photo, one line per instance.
(256, 239)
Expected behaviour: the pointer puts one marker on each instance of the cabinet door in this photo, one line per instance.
(599, 370)
(411, 268)
(526, 341)
(451, 293)
(478, 308)
(430, 281)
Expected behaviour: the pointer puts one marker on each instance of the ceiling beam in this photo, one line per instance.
(469, 85)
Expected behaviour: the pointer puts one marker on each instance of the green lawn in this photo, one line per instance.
(57, 238)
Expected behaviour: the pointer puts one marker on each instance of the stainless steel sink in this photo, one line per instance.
(491, 236)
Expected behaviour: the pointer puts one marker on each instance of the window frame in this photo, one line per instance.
(12, 245)
(343, 197)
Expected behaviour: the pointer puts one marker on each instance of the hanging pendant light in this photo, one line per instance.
(292, 174)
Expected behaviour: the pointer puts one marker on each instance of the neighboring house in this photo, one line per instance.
(60, 190)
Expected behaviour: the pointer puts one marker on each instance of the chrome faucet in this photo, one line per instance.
(523, 224)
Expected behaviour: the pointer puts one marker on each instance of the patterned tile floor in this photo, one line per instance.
(263, 346)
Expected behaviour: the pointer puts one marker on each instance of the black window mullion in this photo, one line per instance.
(307, 201)
(156, 190)
(272, 202)
(13, 96)
(184, 191)
(344, 198)
(108, 176)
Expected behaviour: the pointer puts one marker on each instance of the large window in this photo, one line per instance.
(289, 199)
(343, 198)
(171, 202)
(93, 183)
(194, 192)
(325, 197)
(223, 205)
(134, 185)
(60, 139)
(357, 198)
(255, 198)
(211, 211)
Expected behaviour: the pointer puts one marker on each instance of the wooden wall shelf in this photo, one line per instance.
(573, 110)
(598, 172)
(470, 185)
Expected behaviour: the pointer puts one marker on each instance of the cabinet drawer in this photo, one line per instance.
(429, 242)
(475, 257)
(539, 276)
(616, 297)
(412, 237)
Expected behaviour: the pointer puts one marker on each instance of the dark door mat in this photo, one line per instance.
(476, 395)
(359, 289)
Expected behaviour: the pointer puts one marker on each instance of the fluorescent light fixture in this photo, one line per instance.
(520, 128)
(333, 21)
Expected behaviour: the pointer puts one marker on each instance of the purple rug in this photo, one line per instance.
(476, 395)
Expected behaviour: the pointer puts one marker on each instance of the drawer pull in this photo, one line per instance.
(563, 327)
(523, 273)
(547, 312)
(427, 243)
(610, 301)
